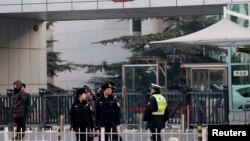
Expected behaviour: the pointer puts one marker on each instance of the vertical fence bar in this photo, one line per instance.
(86, 133)
(102, 134)
(50, 130)
(35, 134)
(195, 133)
(126, 136)
(209, 105)
(182, 122)
(205, 105)
(5, 134)
(199, 132)
(214, 111)
(14, 129)
(133, 134)
(188, 118)
(64, 133)
(118, 134)
(204, 134)
(43, 134)
(226, 104)
(79, 133)
(179, 134)
(72, 136)
(149, 135)
(164, 134)
(21, 134)
(61, 122)
(9, 94)
(43, 107)
(58, 133)
(28, 133)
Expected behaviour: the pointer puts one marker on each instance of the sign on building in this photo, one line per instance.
(240, 73)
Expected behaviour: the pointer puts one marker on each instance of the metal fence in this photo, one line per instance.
(125, 134)
(195, 107)
(46, 108)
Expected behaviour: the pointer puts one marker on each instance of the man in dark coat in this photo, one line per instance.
(27, 101)
(108, 112)
(156, 112)
(18, 111)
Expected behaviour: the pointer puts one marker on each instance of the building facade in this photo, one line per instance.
(22, 53)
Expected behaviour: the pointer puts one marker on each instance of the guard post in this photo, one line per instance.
(199, 132)
(58, 132)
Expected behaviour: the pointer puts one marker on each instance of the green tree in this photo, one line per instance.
(174, 54)
(55, 64)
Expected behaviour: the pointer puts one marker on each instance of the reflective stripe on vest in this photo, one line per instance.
(161, 104)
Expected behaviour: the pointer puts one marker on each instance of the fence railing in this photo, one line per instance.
(197, 107)
(125, 135)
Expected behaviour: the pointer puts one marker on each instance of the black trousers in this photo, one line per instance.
(21, 126)
(111, 137)
(156, 136)
(81, 136)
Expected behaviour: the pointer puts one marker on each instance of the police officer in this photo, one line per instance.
(156, 113)
(108, 112)
(81, 115)
(91, 99)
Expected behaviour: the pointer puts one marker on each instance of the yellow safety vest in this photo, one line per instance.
(161, 104)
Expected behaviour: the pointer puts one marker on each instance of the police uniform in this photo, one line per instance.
(156, 114)
(81, 118)
(108, 114)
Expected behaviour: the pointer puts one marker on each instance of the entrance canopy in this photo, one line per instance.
(224, 33)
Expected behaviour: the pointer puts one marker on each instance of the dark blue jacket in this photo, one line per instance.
(81, 116)
(107, 112)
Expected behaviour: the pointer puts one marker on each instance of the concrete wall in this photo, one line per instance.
(22, 54)
(239, 117)
(152, 26)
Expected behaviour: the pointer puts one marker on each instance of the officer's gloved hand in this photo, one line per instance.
(97, 128)
(71, 127)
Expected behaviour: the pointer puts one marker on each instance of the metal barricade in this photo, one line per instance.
(246, 108)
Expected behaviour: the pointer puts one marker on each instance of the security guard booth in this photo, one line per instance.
(206, 76)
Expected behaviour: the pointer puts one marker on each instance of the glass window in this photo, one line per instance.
(137, 25)
(239, 56)
(240, 64)
(139, 79)
(200, 80)
(240, 86)
(243, 9)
